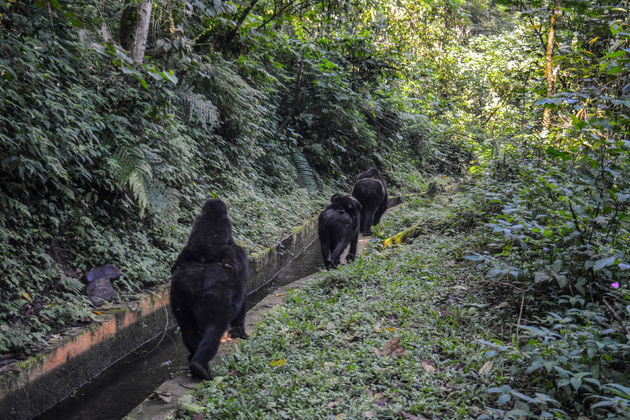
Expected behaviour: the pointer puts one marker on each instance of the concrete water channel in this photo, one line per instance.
(92, 381)
(127, 383)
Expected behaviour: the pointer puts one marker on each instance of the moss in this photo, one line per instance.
(31, 363)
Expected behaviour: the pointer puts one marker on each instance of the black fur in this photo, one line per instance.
(371, 191)
(338, 227)
(208, 287)
(210, 239)
(206, 299)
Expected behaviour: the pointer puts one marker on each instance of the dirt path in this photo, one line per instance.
(166, 398)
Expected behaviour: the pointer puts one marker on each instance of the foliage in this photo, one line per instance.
(561, 237)
(272, 106)
(395, 334)
(103, 161)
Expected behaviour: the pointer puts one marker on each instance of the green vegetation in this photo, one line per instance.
(111, 139)
(399, 332)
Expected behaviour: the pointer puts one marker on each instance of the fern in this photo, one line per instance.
(163, 203)
(133, 172)
(305, 174)
(198, 109)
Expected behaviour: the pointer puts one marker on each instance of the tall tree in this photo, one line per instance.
(134, 28)
(549, 74)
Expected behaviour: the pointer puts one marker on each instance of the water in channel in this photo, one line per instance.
(124, 385)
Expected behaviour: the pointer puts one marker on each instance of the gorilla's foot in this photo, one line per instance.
(238, 332)
(197, 370)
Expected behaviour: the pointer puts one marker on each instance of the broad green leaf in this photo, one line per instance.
(604, 262)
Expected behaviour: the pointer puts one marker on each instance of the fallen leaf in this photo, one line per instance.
(280, 362)
(282, 294)
(333, 403)
(398, 353)
(97, 312)
(390, 346)
(369, 414)
(486, 367)
(427, 366)
(166, 398)
(445, 313)
(27, 296)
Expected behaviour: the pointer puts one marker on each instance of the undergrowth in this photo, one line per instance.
(401, 332)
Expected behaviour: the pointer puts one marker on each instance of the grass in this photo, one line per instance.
(403, 332)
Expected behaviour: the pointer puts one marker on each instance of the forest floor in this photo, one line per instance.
(408, 331)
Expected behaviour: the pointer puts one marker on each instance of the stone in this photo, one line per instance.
(100, 291)
(99, 288)
(109, 271)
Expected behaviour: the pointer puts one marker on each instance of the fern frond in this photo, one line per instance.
(133, 172)
(305, 174)
(198, 109)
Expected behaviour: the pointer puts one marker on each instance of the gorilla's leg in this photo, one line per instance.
(186, 320)
(335, 256)
(190, 334)
(353, 248)
(237, 326)
(206, 350)
(324, 244)
(380, 210)
(366, 220)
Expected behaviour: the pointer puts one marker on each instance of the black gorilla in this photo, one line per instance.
(207, 298)
(371, 191)
(210, 239)
(208, 287)
(338, 226)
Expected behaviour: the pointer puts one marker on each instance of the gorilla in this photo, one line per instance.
(206, 299)
(338, 226)
(371, 191)
(211, 238)
(208, 286)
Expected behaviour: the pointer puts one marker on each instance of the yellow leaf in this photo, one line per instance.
(281, 362)
(593, 40)
(390, 329)
(27, 296)
(97, 312)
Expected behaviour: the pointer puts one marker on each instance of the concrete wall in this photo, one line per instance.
(30, 387)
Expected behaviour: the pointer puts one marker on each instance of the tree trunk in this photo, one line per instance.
(134, 29)
(141, 31)
(551, 79)
(230, 36)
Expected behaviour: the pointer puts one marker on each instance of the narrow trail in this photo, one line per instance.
(164, 401)
(399, 333)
